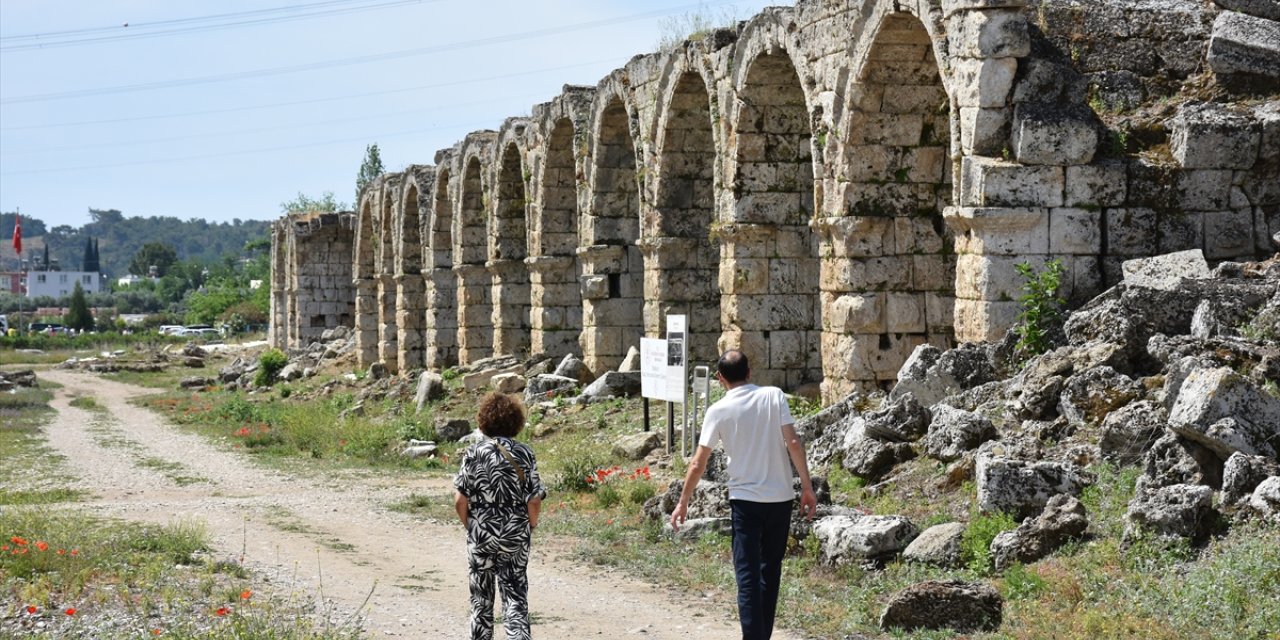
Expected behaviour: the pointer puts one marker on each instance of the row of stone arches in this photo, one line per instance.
(783, 185)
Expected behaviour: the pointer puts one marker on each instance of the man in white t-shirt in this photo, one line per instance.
(761, 445)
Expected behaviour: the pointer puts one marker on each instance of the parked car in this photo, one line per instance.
(198, 332)
(170, 329)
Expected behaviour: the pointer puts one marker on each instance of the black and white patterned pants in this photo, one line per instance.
(508, 569)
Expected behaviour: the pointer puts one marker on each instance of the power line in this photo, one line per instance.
(363, 138)
(438, 85)
(343, 62)
(135, 31)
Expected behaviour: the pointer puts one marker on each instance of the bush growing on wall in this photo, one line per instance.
(269, 365)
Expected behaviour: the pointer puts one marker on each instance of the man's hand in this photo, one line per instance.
(678, 516)
(808, 503)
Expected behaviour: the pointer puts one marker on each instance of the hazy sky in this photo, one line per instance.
(226, 109)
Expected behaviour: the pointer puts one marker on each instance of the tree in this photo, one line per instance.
(305, 204)
(156, 254)
(90, 262)
(370, 169)
(78, 316)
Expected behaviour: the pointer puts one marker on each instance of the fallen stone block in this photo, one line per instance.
(1227, 412)
(1063, 519)
(850, 539)
(967, 607)
(938, 545)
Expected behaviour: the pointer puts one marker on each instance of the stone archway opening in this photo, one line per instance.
(475, 306)
(366, 285)
(612, 280)
(769, 271)
(681, 262)
(889, 267)
(410, 285)
(442, 286)
(506, 262)
(388, 333)
(556, 316)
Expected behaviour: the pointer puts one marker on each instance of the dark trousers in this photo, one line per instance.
(759, 543)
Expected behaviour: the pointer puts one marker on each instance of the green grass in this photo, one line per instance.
(88, 403)
(122, 578)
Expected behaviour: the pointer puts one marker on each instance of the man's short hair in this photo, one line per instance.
(733, 366)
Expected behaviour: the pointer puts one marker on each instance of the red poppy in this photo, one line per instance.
(246, 594)
(4, 548)
(156, 632)
(42, 545)
(62, 552)
(71, 611)
(222, 611)
(18, 541)
(32, 609)
(75, 552)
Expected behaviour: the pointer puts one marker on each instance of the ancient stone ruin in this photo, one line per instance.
(827, 186)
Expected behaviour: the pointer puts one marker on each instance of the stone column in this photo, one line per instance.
(555, 305)
(278, 332)
(769, 305)
(410, 315)
(680, 278)
(387, 350)
(475, 313)
(612, 304)
(510, 315)
(366, 321)
(441, 319)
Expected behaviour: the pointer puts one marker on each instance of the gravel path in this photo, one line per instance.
(333, 534)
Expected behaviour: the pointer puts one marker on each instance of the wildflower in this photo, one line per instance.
(62, 552)
(20, 551)
(18, 541)
(32, 609)
(42, 545)
(75, 552)
(4, 548)
(156, 632)
(246, 594)
(222, 611)
(609, 521)
(71, 611)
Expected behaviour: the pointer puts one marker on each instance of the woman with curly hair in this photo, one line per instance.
(498, 497)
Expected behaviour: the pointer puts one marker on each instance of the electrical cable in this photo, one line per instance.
(356, 60)
(140, 30)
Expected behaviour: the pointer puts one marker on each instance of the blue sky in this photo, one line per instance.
(227, 117)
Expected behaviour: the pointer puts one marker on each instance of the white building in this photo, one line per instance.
(61, 283)
(130, 280)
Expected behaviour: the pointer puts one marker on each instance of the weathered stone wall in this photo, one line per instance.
(311, 284)
(827, 186)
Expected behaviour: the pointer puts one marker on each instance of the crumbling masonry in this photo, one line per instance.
(827, 186)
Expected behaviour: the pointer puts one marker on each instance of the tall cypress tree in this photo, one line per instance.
(46, 256)
(78, 316)
(97, 257)
(90, 262)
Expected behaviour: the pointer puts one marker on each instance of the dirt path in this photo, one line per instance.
(334, 535)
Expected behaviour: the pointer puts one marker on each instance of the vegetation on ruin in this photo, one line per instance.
(1041, 311)
(371, 168)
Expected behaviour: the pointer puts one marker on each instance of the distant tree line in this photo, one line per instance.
(118, 239)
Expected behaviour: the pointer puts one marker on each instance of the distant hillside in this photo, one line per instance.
(120, 237)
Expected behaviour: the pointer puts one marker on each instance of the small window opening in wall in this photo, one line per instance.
(615, 285)
(766, 335)
(885, 343)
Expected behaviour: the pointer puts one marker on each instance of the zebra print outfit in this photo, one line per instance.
(498, 533)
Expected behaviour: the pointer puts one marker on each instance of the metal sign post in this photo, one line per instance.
(701, 390)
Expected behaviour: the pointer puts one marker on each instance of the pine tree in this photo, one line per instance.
(78, 316)
(370, 169)
(90, 263)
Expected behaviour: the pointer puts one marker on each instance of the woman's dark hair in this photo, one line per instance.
(733, 366)
(500, 415)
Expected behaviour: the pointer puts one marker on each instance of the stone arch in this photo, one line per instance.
(508, 246)
(769, 269)
(889, 273)
(681, 262)
(612, 265)
(410, 283)
(558, 149)
(366, 283)
(442, 285)
(470, 250)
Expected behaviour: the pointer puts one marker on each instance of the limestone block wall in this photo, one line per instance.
(828, 186)
(311, 285)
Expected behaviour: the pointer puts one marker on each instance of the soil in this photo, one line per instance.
(332, 535)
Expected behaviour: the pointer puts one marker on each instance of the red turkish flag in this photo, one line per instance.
(17, 234)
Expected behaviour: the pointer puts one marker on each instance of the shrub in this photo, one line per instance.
(1041, 310)
(975, 545)
(269, 365)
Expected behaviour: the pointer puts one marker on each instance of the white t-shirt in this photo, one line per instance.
(749, 421)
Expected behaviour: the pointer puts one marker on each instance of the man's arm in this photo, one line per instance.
(795, 449)
(697, 466)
